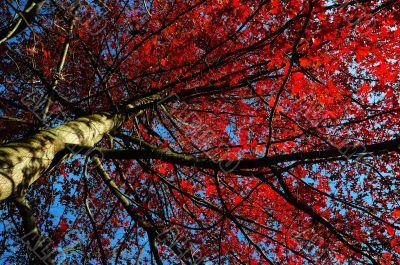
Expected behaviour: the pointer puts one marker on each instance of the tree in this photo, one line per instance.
(200, 132)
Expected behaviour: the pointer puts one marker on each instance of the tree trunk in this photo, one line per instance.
(23, 161)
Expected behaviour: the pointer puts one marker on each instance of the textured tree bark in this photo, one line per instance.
(23, 161)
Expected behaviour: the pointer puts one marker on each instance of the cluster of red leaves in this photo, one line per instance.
(225, 62)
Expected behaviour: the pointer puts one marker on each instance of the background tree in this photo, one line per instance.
(199, 132)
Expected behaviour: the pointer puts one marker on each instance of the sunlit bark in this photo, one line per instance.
(22, 162)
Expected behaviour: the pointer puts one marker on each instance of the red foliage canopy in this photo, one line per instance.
(273, 138)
